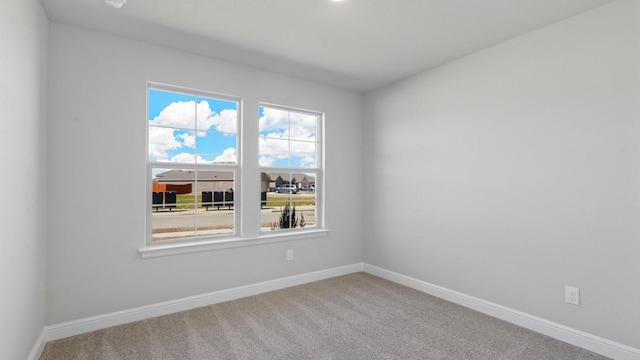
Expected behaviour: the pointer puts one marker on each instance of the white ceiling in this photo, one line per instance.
(355, 44)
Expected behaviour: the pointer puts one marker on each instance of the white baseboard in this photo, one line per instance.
(76, 327)
(563, 333)
(36, 351)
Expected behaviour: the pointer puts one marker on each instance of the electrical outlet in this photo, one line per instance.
(572, 295)
(290, 255)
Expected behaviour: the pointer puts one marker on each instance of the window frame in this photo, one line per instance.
(318, 170)
(236, 169)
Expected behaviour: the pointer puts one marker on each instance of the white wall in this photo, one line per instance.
(97, 146)
(23, 59)
(515, 171)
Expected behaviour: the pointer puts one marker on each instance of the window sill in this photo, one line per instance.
(153, 251)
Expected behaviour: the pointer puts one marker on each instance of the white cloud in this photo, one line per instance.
(161, 140)
(188, 158)
(308, 161)
(266, 161)
(179, 114)
(289, 124)
(226, 121)
(182, 114)
(273, 119)
(303, 127)
(228, 155)
(188, 140)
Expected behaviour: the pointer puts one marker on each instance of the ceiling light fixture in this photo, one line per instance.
(115, 3)
(337, 0)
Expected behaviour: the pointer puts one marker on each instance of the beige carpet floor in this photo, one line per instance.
(357, 316)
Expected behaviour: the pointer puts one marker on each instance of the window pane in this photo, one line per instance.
(172, 226)
(173, 205)
(171, 145)
(279, 197)
(273, 123)
(217, 115)
(216, 208)
(289, 201)
(305, 202)
(274, 152)
(302, 126)
(188, 129)
(213, 180)
(188, 203)
(171, 109)
(303, 154)
(217, 148)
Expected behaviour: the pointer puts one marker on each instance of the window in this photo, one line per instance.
(194, 172)
(192, 165)
(289, 157)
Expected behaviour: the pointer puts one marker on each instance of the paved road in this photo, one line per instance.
(177, 222)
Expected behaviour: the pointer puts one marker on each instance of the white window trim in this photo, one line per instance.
(177, 247)
(228, 243)
(319, 190)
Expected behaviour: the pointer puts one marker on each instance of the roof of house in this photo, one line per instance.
(190, 175)
(298, 177)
